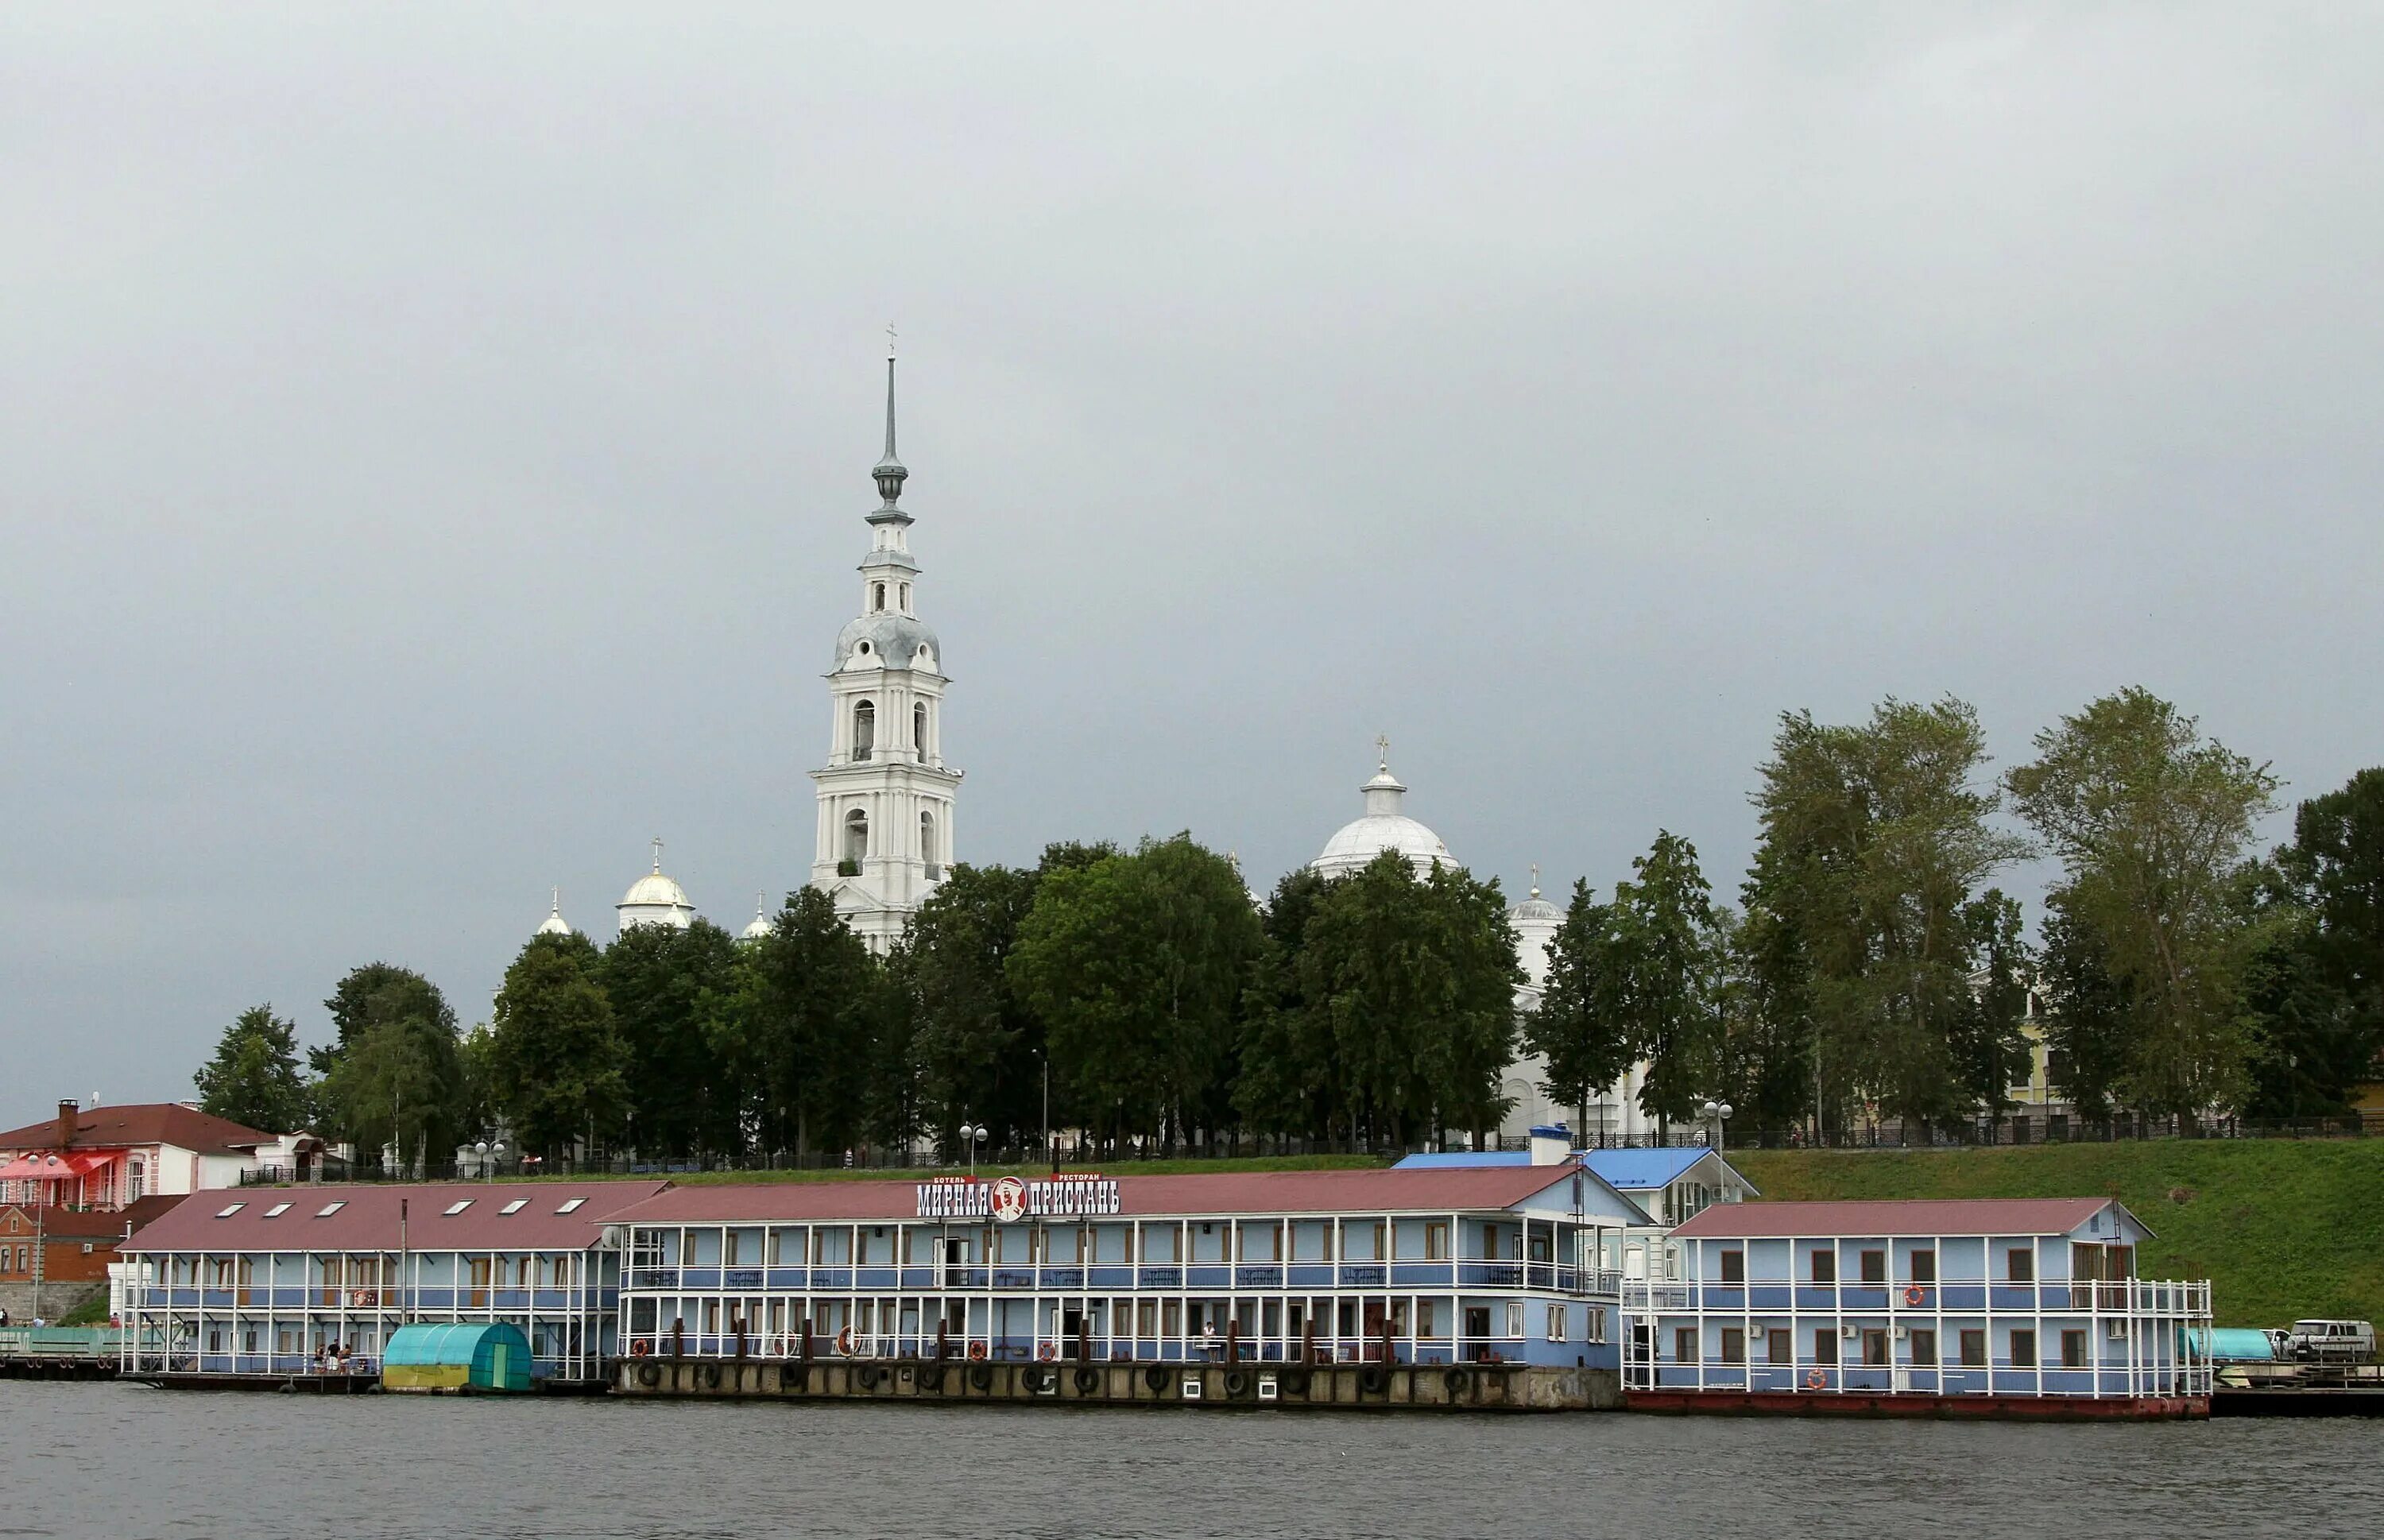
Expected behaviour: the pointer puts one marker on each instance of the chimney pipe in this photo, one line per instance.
(68, 1112)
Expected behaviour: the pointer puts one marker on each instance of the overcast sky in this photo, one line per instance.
(434, 440)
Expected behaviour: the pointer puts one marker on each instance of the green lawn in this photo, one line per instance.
(2282, 1228)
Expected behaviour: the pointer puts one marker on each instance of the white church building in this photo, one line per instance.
(884, 834)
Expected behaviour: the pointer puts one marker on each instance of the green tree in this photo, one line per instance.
(558, 1068)
(1875, 840)
(1283, 1082)
(2151, 822)
(1412, 982)
(1666, 955)
(1990, 1053)
(2312, 1052)
(393, 1078)
(254, 1078)
(2334, 869)
(2089, 1033)
(1579, 1030)
(806, 1016)
(1769, 1041)
(977, 1046)
(674, 995)
(1136, 965)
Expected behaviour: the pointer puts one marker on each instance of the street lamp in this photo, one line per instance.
(484, 1150)
(1719, 1112)
(970, 1134)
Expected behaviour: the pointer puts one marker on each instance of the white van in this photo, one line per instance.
(2331, 1341)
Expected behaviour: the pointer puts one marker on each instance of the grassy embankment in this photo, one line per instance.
(2282, 1228)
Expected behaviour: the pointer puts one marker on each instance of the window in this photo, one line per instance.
(1874, 1348)
(571, 1204)
(876, 596)
(927, 837)
(856, 837)
(229, 1209)
(919, 728)
(864, 730)
(1598, 1323)
(1733, 1345)
(1825, 1345)
(456, 1208)
(516, 1206)
(1556, 1322)
(275, 1211)
(2023, 1348)
(1435, 1241)
(1684, 1343)
(1733, 1266)
(1924, 1347)
(2073, 1350)
(328, 1209)
(1780, 1345)
(1825, 1267)
(1427, 1318)
(1924, 1266)
(1974, 1349)
(906, 596)
(2019, 1264)
(1514, 1318)
(140, 1180)
(1874, 1267)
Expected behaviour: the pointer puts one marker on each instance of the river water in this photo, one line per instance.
(127, 1460)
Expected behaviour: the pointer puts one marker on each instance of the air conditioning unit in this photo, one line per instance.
(1902, 1331)
(1756, 1331)
(2118, 1331)
(1191, 1387)
(1847, 1331)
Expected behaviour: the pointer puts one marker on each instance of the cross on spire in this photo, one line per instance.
(658, 855)
(1536, 880)
(889, 340)
(1382, 745)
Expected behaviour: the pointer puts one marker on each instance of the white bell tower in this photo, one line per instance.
(885, 835)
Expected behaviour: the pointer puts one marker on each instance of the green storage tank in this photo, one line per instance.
(479, 1355)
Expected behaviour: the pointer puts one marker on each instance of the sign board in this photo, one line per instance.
(1008, 1199)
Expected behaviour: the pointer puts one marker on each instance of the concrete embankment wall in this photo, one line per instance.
(1466, 1387)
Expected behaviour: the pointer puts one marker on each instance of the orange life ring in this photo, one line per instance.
(1050, 1351)
(638, 1348)
(976, 1352)
(844, 1342)
(1815, 1380)
(1914, 1295)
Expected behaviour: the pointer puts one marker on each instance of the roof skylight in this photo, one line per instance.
(229, 1209)
(516, 1206)
(275, 1211)
(569, 1204)
(454, 1208)
(328, 1209)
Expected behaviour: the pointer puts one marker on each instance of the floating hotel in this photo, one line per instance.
(1525, 1285)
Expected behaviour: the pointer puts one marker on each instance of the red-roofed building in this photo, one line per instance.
(109, 1156)
(2013, 1305)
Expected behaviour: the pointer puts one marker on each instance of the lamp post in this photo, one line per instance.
(1719, 1112)
(970, 1134)
(490, 1154)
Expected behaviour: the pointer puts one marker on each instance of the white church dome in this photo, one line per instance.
(761, 925)
(655, 900)
(1382, 827)
(886, 639)
(555, 923)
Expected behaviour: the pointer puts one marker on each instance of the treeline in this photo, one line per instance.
(1872, 968)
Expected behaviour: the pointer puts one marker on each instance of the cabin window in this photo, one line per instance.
(1514, 1318)
(1684, 1343)
(2023, 1348)
(1597, 1323)
(1924, 1267)
(1171, 1318)
(1428, 1318)
(1556, 1322)
(1874, 1344)
(1825, 1266)
(1733, 1266)
(1825, 1345)
(2073, 1350)
(1780, 1345)
(1874, 1267)
(2019, 1264)
(1435, 1241)
(1146, 1317)
(1733, 1345)
(1974, 1349)
(1924, 1347)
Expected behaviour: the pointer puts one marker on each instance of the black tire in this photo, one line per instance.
(794, 1375)
(1295, 1382)
(1087, 1381)
(867, 1376)
(712, 1376)
(1156, 1376)
(650, 1374)
(1036, 1378)
(980, 1377)
(1455, 1381)
(1373, 1379)
(931, 1377)
(1238, 1382)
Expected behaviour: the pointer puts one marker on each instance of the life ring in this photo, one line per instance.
(638, 1348)
(976, 1352)
(1815, 1380)
(1914, 1295)
(1048, 1352)
(356, 1299)
(844, 1342)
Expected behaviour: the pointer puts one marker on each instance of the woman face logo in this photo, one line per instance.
(1009, 1200)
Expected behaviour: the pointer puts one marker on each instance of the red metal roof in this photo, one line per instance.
(1296, 1192)
(50, 1165)
(1946, 1216)
(92, 1225)
(140, 1123)
(367, 1219)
